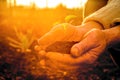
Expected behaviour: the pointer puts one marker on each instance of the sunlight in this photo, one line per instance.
(72, 4)
(49, 3)
(23, 2)
(54, 3)
(40, 3)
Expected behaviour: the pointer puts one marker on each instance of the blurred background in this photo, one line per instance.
(40, 15)
(23, 22)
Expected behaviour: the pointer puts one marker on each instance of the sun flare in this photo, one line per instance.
(48, 3)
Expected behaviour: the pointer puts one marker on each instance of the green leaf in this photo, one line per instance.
(13, 40)
(14, 45)
(56, 23)
(69, 18)
(64, 26)
(25, 40)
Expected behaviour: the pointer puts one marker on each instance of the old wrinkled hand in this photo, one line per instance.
(85, 52)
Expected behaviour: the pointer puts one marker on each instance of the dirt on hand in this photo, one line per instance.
(60, 46)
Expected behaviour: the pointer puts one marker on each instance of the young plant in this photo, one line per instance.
(70, 18)
(24, 40)
(67, 19)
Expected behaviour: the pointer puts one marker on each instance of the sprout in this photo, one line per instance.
(24, 40)
(69, 18)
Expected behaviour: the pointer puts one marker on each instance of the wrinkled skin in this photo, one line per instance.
(61, 32)
(91, 44)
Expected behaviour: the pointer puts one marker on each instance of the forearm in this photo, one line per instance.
(112, 35)
(106, 15)
(90, 25)
(93, 24)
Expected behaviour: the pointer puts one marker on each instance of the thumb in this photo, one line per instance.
(82, 47)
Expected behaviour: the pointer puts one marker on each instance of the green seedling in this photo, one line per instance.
(23, 41)
(70, 18)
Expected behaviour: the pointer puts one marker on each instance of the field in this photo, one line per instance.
(23, 63)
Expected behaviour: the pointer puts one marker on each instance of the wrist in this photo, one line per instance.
(86, 27)
(93, 24)
(89, 26)
(112, 35)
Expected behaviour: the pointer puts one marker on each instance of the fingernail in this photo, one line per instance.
(74, 52)
(37, 48)
(42, 53)
(42, 62)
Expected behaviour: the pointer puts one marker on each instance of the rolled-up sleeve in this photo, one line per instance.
(108, 15)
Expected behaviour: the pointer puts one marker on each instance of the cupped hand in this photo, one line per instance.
(55, 61)
(61, 32)
(66, 32)
(89, 49)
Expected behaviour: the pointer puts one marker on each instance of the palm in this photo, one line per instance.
(62, 32)
(90, 47)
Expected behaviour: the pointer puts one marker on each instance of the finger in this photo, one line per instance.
(59, 57)
(82, 47)
(85, 45)
(55, 34)
(38, 48)
(46, 39)
(61, 32)
(91, 56)
(61, 61)
(67, 59)
(42, 53)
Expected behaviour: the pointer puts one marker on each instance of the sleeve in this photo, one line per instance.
(108, 15)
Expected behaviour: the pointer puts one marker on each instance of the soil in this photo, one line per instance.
(62, 47)
(25, 66)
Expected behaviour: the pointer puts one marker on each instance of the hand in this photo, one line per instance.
(55, 62)
(66, 61)
(90, 48)
(66, 32)
(93, 43)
